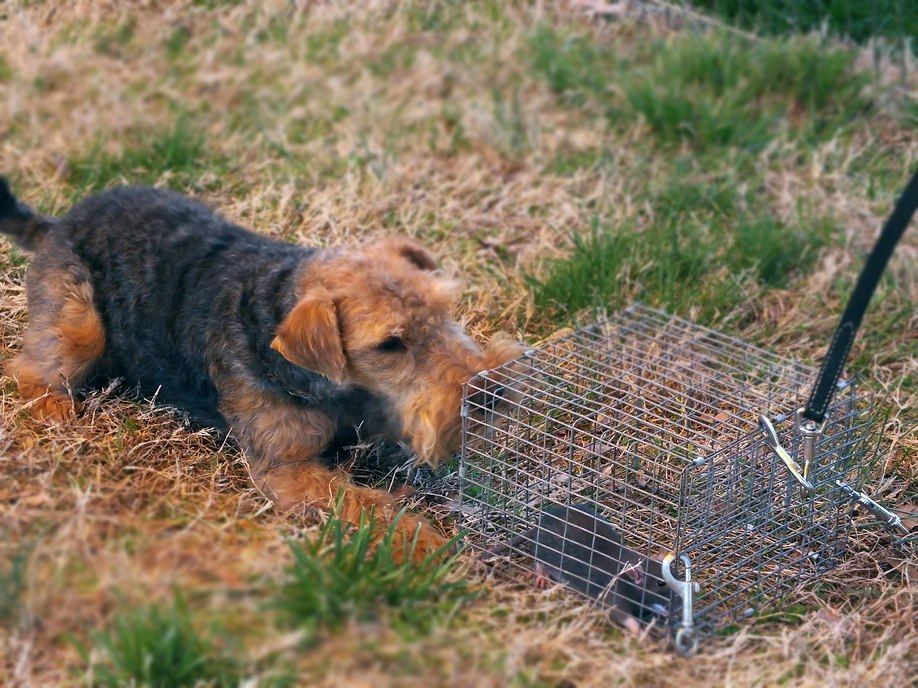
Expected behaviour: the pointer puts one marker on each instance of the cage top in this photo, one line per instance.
(643, 376)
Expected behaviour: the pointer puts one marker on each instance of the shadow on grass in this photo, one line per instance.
(851, 18)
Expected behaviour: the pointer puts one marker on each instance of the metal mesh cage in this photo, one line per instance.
(649, 424)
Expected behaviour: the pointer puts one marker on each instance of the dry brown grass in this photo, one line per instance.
(124, 504)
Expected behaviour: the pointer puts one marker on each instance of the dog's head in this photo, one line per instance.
(380, 317)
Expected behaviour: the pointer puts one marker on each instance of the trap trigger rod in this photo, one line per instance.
(890, 520)
(810, 431)
(771, 439)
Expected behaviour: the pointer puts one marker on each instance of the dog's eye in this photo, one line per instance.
(391, 345)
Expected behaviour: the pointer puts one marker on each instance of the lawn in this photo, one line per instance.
(562, 167)
(859, 21)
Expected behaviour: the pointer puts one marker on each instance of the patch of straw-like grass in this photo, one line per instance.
(326, 123)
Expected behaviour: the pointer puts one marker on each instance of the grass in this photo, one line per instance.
(850, 18)
(158, 647)
(6, 73)
(561, 166)
(339, 576)
(708, 92)
(176, 155)
(699, 255)
(112, 40)
(12, 586)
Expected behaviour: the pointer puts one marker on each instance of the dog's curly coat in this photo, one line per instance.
(291, 348)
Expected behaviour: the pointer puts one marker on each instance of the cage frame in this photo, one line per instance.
(706, 590)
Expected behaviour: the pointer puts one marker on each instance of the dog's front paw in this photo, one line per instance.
(415, 538)
(54, 408)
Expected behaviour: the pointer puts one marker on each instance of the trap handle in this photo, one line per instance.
(811, 419)
(814, 413)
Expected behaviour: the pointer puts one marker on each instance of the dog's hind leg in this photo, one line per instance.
(284, 440)
(65, 335)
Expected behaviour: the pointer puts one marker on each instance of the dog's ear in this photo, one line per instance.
(309, 336)
(411, 251)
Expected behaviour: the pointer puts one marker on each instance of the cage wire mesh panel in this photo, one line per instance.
(650, 423)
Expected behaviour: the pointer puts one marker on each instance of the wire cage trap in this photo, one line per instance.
(651, 424)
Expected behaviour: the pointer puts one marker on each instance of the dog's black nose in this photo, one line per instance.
(486, 399)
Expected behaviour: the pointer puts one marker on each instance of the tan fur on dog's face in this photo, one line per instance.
(379, 317)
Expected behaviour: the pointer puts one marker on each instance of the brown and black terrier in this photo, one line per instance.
(290, 348)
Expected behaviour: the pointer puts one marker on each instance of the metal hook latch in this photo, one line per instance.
(771, 439)
(686, 637)
(810, 430)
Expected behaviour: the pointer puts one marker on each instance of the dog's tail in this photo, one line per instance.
(19, 221)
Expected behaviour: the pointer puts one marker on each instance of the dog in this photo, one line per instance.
(289, 348)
